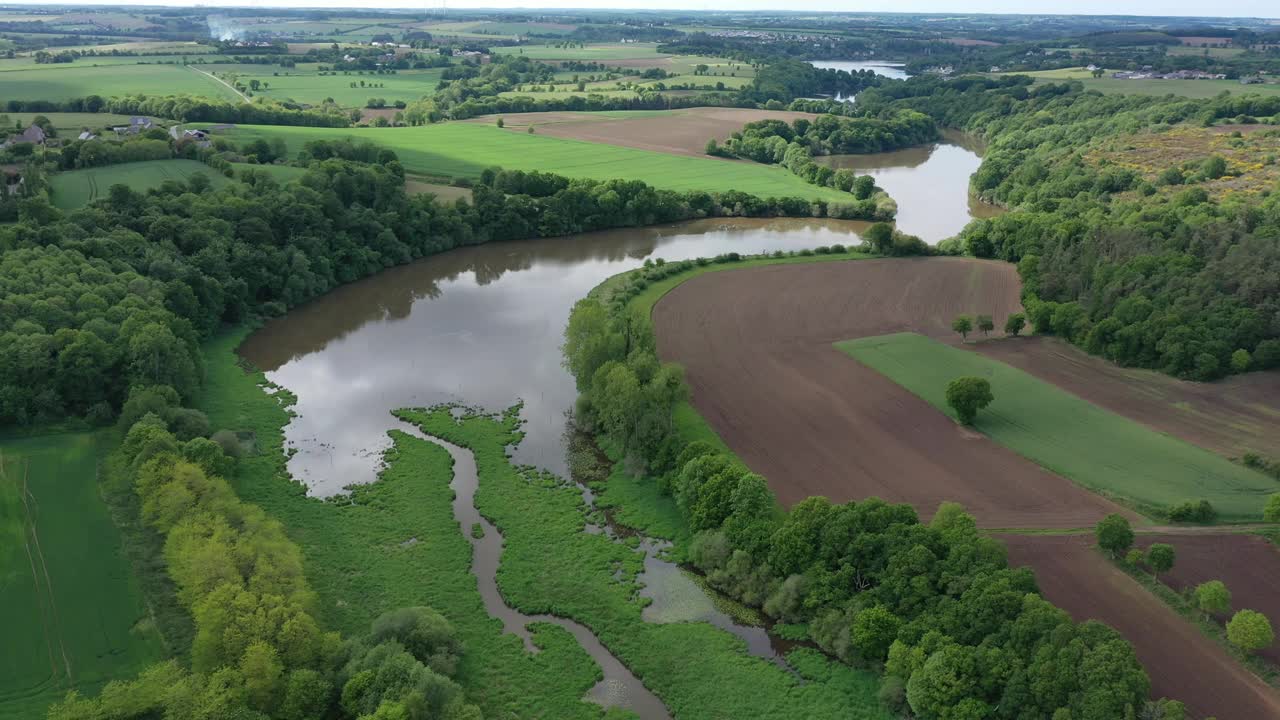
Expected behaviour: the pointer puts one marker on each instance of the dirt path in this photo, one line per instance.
(1183, 663)
(756, 346)
(217, 79)
(1230, 417)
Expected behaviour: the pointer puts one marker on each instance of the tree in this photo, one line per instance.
(500, 123)
(1160, 557)
(1240, 360)
(874, 630)
(968, 395)
(1213, 597)
(880, 237)
(262, 672)
(1114, 534)
(1014, 324)
(986, 324)
(1098, 72)
(1271, 513)
(1250, 631)
(963, 324)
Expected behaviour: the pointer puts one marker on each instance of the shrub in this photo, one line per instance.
(1194, 511)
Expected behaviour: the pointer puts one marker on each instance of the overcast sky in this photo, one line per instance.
(1233, 8)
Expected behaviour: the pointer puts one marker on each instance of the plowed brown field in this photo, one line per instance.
(683, 132)
(1231, 417)
(1183, 663)
(756, 346)
(1248, 564)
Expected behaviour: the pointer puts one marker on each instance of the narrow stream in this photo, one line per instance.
(619, 688)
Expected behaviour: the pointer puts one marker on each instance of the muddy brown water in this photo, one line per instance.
(483, 326)
(923, 180)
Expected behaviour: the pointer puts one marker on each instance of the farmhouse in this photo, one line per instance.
(136, 125)
(33, 135)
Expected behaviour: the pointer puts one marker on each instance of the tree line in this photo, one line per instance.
(258, 651)
(794, 145)
(119, 294)
(1177, 280)
(957, 633)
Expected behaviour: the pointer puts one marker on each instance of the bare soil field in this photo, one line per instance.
(1231, 417)
(1183, 663)
(682, 132)
(1248, 564)
(756, 345)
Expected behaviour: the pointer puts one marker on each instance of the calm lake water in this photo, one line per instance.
(930, 184)
(483, 325)
(892, 70)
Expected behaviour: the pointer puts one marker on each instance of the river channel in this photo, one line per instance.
(482, 326)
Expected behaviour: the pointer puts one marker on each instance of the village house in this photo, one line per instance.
(33, 135)
(136, 125)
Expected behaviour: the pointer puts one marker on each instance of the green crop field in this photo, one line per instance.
(68, 124)
(75, 615)
(603, 51)
(466, 149)
(312, 88)
(1185, 88)
(78, 188)
(75, 81)
(1074, 438)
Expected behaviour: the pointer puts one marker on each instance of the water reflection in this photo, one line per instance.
(480, 325)
(929, 182)
(895, 71)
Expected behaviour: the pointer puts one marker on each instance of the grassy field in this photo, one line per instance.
(1076, 439)
(466, 149)
(75, 617)
(602, 51)
(78, 188)
(68, 124)
(1196, 89)
(313, 88)
(74, 81)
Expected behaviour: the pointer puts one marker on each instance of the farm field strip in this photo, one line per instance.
(1182, 661)
(461, 149)
(756, 345)
(110, 81)
(1068, 435)
(80, 620)
(1231, 417)
(77, 188)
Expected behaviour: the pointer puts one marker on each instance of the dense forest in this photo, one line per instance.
(957, 632)
(118, 295)
(1171, 279)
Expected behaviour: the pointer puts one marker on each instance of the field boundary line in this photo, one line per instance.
(215, 78)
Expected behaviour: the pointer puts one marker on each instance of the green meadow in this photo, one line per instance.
(1067, 435)
(313, 88)
(74, 80)
(77, 617)
(68, 124)
(602, 51)
(77, 188)
(1195, 89)
(459, 149)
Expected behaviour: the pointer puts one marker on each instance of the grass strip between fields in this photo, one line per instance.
(1091, 446)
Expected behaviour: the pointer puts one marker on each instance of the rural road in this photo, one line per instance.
(228, 85)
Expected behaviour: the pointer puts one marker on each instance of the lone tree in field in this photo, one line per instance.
(963, 325)
(1014, 324)
(1250, 631)
(1213, 597)
(500, 123)
(968, 395)
(1160, 557)
(986, 324)
(1114, 534)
